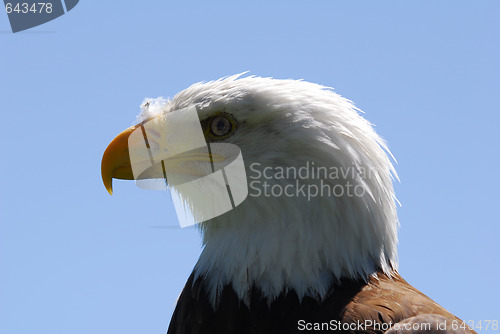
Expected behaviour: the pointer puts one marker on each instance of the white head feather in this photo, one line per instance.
(281, 243)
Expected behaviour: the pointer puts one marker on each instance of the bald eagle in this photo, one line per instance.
(290, 259)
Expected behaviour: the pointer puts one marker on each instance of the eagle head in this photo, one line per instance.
(320, 204)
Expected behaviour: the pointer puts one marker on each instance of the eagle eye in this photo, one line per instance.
(219, 126)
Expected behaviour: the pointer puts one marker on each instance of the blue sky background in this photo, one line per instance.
(74, 260)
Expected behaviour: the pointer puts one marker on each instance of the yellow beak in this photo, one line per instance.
(116, 160)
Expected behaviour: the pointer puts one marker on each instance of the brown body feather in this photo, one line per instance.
(384, 300)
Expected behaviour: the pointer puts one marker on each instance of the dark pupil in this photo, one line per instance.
(220, 126)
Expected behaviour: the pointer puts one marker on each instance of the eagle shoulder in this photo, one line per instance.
(392, 300)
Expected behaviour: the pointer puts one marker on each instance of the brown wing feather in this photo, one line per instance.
(392, 299)
(383, 300)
